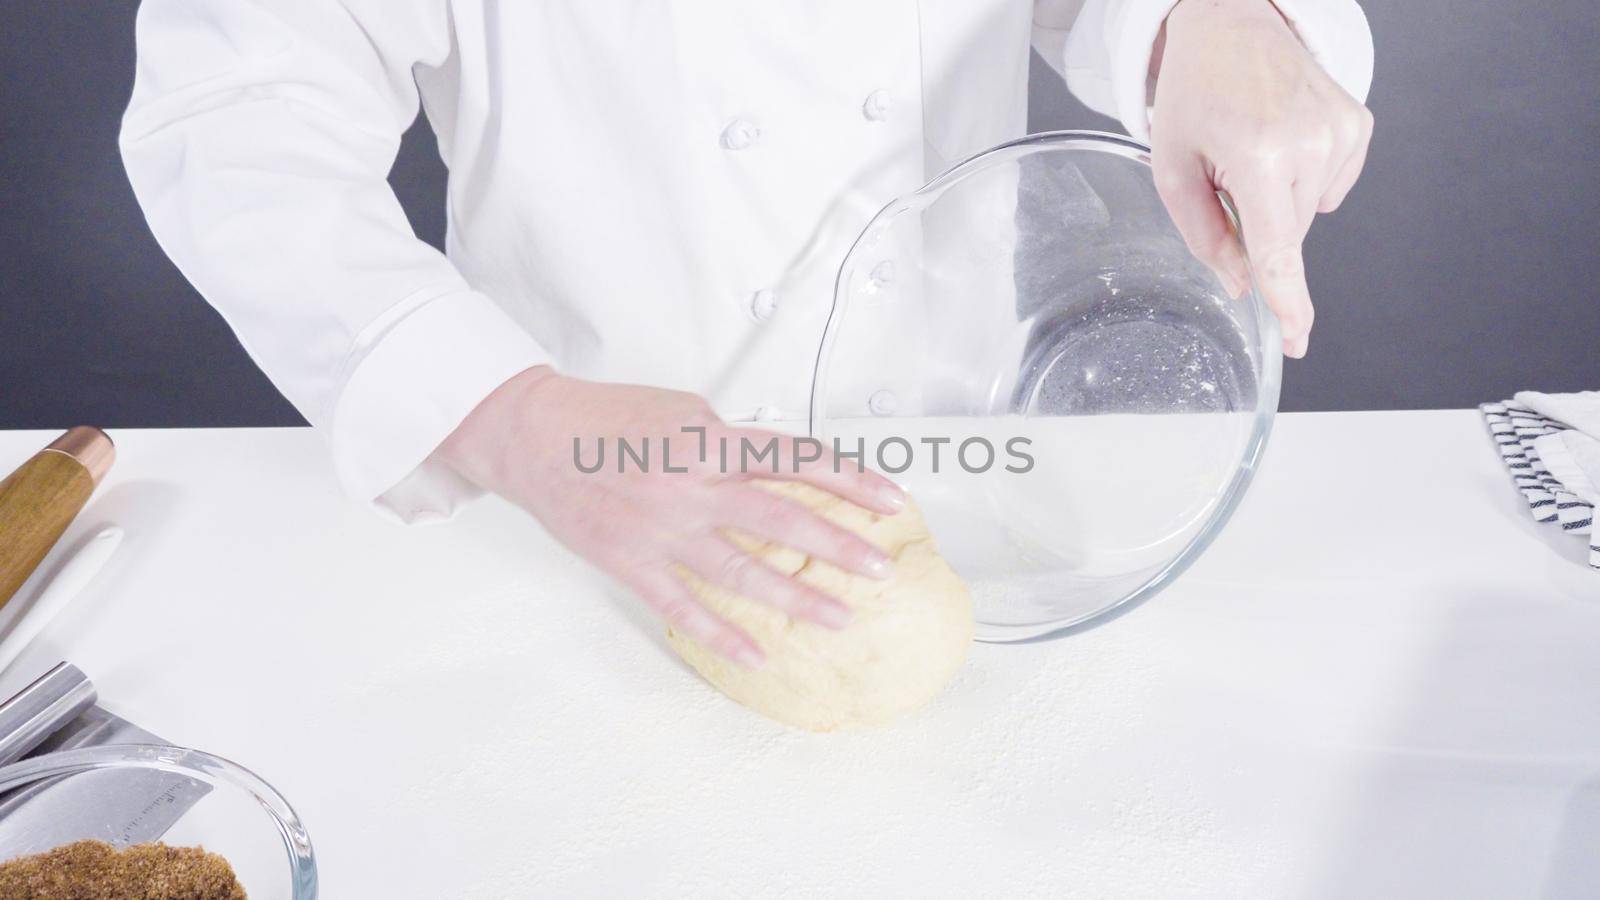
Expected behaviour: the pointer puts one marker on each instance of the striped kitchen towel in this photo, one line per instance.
(1515, 428)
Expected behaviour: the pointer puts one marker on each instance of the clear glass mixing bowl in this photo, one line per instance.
(234, 812)
(1028, 346)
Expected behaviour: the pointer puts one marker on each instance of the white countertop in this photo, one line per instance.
(1383, 679)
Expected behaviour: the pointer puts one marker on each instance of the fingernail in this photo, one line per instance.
(892, 498)
(833, 615)
(878, 567)
(1296, 349)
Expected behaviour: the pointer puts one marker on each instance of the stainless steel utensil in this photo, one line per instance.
(58, 712)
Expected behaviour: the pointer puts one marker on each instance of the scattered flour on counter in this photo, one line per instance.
(608, 765)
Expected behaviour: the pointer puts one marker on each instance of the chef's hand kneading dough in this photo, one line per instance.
(909, 634)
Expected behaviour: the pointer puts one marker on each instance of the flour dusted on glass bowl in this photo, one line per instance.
(1046, 318)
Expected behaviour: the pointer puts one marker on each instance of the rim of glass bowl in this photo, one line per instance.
(1271, 370)
(213, 770)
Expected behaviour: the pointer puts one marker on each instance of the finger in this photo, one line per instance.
(1349, 172)
(723, 564)
(766, 516)
(1192, 200)
(813, 462)
(1273, 233)
(1307, 194)
(674, 602)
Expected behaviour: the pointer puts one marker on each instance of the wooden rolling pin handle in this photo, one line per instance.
(39, 500)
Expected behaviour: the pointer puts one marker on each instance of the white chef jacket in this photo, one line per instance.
(656, 191)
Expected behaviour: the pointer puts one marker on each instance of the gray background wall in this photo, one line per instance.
(1464, 267)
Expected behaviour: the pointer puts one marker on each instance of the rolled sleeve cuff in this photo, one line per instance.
(411, 390)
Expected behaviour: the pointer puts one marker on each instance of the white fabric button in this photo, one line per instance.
(877, 105)
(766, 414)
(881, 278)
(763, 304)
(740, 134)
(883, 403)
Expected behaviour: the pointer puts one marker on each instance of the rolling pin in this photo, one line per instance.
(39, 500)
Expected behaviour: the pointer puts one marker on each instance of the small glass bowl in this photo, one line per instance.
(1035, 308)
(234, 813)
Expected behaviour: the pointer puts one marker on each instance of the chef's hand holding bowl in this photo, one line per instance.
(639, 525)
(1241, 106)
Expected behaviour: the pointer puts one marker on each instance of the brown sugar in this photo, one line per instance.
(95, 870)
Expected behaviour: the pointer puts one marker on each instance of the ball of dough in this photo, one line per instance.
(908, 637)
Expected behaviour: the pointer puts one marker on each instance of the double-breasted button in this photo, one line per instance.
(763, 304)
(739, 134)
(877, 105)
(881, 277)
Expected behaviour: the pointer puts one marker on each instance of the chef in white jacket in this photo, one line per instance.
(647, 200)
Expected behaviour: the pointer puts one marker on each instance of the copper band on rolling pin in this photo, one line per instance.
(91, 447)
(40, 499)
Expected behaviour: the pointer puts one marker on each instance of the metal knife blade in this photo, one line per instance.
(121, 806)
